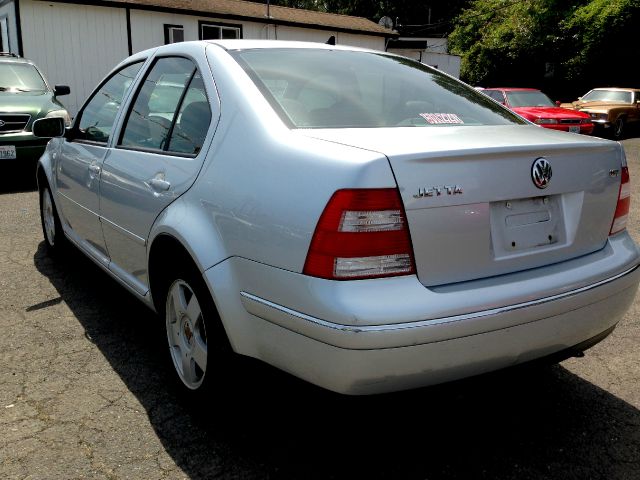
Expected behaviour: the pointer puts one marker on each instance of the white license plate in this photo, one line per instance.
(7, 152)
(574, 129)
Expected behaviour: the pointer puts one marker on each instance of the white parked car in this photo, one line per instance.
(356, 218)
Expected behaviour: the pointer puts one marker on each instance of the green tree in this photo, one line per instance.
(602, 36)
(561, 46)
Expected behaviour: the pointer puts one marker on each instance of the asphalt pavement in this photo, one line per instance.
(86, 392)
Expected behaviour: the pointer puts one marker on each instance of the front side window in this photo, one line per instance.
(99, 114)
(20, 77)
(318, 88)
(170, 112)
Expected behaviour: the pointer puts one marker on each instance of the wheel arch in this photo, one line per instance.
(167, 246)
(43, 171)
(164, 252)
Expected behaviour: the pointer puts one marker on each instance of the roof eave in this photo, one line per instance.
(227, 16)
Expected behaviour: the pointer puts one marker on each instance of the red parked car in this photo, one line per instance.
(536, 107)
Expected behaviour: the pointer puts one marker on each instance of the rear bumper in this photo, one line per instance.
(601, 124)
(369, 356)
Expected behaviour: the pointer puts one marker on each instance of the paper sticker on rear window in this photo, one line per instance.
(442, 118)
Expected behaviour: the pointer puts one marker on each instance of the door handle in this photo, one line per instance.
(94, 168)
(159, 184)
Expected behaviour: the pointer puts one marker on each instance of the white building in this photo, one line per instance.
(76, 43)
(430, 51)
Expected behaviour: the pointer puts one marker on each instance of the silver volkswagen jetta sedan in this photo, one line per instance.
(355, 218)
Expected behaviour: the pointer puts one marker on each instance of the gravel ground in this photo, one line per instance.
(85, 392)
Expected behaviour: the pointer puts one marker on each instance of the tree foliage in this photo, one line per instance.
(558, 45)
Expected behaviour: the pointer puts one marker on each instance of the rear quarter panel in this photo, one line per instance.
(263, 186)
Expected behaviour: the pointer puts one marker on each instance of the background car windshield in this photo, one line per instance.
(333, 88)
(20, 76)
(607, 96)
(529, 99)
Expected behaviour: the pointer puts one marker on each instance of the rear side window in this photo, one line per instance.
(99, 114)
(495, 94)
(170, 112)
(321, 88)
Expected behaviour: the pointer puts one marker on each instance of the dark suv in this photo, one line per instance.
(25, 96)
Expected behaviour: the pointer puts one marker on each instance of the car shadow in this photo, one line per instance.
(15, 179)
(529, 423)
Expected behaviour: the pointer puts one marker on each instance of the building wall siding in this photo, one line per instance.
(75, 45)
(147, 31)
(8, 11)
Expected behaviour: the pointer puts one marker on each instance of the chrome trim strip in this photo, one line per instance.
(144, 297)
(76, 203)
(139, 240)
(435, 321)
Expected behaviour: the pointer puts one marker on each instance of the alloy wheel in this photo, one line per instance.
(48, 217)
(186, 333)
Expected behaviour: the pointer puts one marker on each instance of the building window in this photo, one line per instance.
(173, 34)
(4, 35)
(219, 31)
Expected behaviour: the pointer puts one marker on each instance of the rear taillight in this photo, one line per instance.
(624, 202)
(362, 233)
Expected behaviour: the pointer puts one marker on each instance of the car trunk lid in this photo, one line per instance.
(472, 206)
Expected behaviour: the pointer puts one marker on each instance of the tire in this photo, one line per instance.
(199, 351)
(619, 129)
(54, 238)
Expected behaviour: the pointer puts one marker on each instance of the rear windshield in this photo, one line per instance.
(339, 89)
(529, 99)
(21, 77)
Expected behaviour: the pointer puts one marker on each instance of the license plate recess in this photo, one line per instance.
(522, 225)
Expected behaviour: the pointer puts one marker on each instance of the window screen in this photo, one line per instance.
(210, 31)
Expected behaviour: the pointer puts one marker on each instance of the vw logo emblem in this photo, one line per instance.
(2, 123)
(541, 172)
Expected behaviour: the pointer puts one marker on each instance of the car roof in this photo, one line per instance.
(273, 44)
(618, 89)
(513, 89)
(11, 58)
(245, 45)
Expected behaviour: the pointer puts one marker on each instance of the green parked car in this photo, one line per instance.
(25, 96)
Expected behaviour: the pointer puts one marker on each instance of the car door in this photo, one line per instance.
(81, 157)
(159, 152)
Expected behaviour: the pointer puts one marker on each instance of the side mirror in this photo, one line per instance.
(558, 103)
(49, 127)
(61, 90)
(579, 98)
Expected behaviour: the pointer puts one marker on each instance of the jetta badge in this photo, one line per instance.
(541, 173)
(438, 190)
